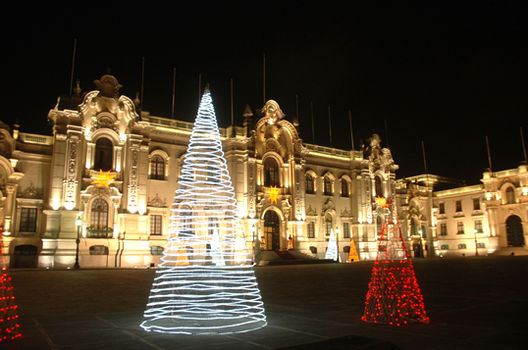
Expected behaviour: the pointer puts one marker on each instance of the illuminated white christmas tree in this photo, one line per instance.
(205, 283)
(331, 250)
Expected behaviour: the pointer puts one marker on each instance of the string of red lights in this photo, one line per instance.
(9, 327)
(394, 297)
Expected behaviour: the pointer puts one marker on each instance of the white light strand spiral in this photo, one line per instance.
(205, 283)
(331, 251)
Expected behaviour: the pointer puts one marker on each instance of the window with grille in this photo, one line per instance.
(157, 168)
(460, 228)
(103, 157)
(328, 224)
(444, 246)
(310, 186)
(510, 195)
(311, 230)
(327, 186)
(462, 246)
(481, 245)
(344, 188)
(378, 186)
(478, 226)
(346, 230)
(156, 222)
(99, 218)
(28, 220)
(476, 203)
(443, 229)
(271, 173)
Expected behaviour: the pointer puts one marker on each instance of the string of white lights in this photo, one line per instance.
(205, 283)
(331, 250)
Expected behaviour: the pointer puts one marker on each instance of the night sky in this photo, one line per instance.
(447, 74)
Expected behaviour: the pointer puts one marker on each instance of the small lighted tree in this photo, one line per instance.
(205, 283)
(394, 297)
(9, 327)
(331, 251)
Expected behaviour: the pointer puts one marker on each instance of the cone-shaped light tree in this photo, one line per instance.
(331, 250)
(9, 327)
(205, 283)
(394, 297)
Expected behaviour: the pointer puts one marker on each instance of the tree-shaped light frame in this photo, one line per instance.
(205, 283)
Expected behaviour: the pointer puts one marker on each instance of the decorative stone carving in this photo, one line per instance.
(31, 192)
(328, 205)
(272, 112)
(311, 211)
(345, 213)
(157, 202)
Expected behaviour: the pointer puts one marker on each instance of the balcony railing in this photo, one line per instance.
(104, 232)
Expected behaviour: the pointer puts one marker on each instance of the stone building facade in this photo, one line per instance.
(108, 172)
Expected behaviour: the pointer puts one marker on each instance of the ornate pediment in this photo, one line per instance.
(31, 192)
(157, 202)
(104, 108)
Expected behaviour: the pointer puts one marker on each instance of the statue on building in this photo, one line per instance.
(272, 112)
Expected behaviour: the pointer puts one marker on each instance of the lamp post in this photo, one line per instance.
(78, 223)
(476, 245)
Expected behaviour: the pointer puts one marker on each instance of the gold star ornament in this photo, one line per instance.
(382, 202)
(273, 194)
(103, 179)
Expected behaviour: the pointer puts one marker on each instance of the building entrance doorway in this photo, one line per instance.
(272, 230)
(418, 250)
(514, 231)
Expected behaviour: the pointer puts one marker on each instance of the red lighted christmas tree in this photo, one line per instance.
(394, 297)
(9, 327)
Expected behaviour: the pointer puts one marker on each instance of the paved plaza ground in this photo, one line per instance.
(473, 303)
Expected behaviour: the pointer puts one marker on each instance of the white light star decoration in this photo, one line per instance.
(205, 283)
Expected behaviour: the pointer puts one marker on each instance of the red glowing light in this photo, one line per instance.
(9, 327)
(394, 297)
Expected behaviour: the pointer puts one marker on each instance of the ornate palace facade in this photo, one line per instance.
(109, 171)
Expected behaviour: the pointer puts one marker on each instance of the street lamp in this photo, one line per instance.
(78, 223)
(476, 246)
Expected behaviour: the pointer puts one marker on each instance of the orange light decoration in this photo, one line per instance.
(394, 297)
(273, 194)
(382, 202)
(9, 327)
(103, 179)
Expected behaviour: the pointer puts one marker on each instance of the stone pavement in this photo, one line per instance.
(473, 302)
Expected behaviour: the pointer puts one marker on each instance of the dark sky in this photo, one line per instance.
(445, 73)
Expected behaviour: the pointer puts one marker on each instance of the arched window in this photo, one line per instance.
(157, 168)
(327, 186)
(344, 188)
(310, 186)
(103, 154)
(414, 227)
(271, 173)
(510, 195)
(378, 186)
(328, 224)
(99, 218)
